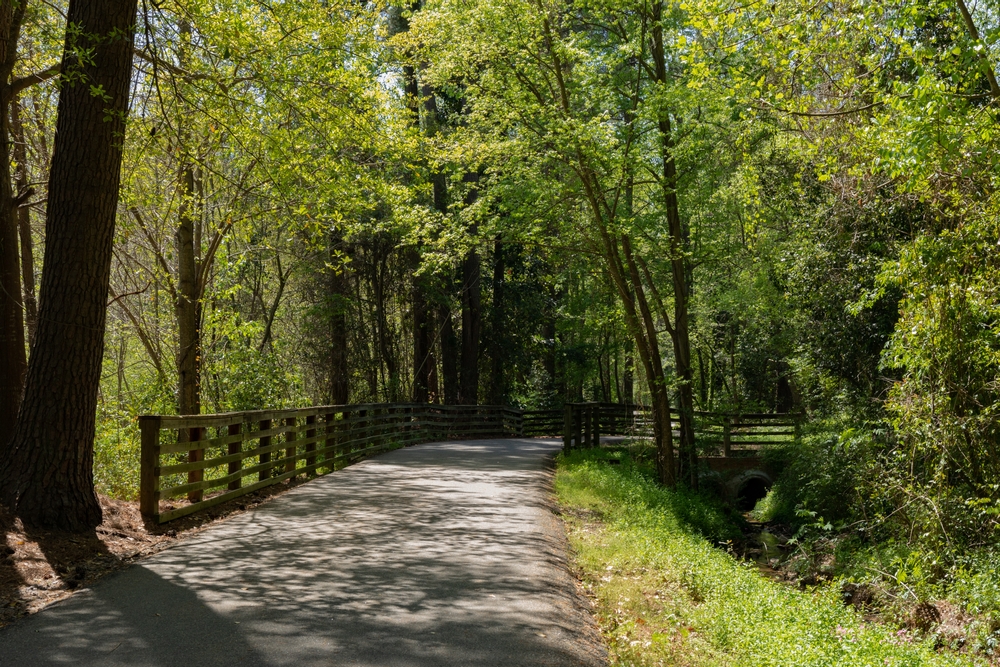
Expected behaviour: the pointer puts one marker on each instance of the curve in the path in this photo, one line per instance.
(432, 556)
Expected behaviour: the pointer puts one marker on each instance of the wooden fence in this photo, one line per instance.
(614, 419)
(718, 434)
(190, 463)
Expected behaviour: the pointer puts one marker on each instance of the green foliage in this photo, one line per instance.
(708, 608)
(819, 474)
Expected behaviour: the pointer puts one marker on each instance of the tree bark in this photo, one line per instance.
(422, 356)
(555, 396)
(187, 304)
(471, 312)
(498, 355)
(339, 303)
(24, 221)
(449, 356)
(680, 333)
(13, 362)
(47, 478)
(628, 383)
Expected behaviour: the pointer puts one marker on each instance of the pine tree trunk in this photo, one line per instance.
(47, 479)
(13, 362)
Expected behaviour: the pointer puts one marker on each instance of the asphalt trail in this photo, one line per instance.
(439, 555)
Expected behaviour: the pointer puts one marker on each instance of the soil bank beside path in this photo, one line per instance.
(438, 555)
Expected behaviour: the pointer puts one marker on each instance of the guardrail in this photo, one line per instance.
(191, 463)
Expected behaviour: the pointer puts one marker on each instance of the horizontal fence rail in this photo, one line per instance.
(716, 433)
(190, 463)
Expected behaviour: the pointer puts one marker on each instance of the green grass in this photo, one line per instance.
(667, 592)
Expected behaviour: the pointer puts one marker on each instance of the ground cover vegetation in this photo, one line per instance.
(665, 594)
(694, 206)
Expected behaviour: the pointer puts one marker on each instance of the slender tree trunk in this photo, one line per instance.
(471, 312)
(628, 374)
(339, 299)
(471, 319)
(187, 306)
(13, 362)
(680, 334)
(498, 353)
(47, 477)
(449, 356)
(422, 357)
(549, 354)
(24, 221)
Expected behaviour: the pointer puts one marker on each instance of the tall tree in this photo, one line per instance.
(47, 475)
(471, 310)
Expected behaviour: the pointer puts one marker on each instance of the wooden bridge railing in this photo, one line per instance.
(716, 433)
(190, 463)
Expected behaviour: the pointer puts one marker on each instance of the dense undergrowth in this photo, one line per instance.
(903, 544)
(668, 592)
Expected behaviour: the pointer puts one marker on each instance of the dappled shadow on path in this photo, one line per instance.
(436, 555)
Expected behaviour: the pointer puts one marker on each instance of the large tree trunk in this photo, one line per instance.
(47, 478)
(13, 362)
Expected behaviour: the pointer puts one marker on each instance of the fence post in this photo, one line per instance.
(149, 468)
(265, 457)
(596, 429)
(235, 448)
(585, 411)
(194, 455)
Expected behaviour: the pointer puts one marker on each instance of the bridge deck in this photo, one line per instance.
(435, 555)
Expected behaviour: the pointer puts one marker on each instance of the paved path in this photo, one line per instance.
(438, 555)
